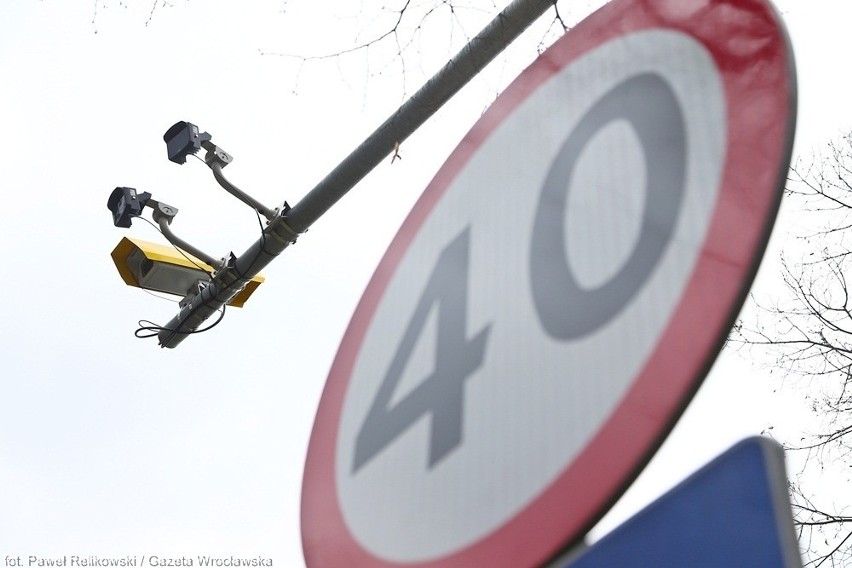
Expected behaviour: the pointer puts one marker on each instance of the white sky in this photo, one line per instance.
(112, 446)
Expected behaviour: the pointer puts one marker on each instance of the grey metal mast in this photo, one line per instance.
(287, 225)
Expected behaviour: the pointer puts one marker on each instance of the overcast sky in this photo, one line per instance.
(110, 445)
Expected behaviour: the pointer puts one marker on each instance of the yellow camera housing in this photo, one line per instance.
(162, 268)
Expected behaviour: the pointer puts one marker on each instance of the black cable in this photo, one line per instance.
(242, 279)
(160, 296)
(152, 330)
(182, 253)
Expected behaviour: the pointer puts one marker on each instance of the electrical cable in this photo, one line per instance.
(152, 329)
(147, 331)
(182, 253)
(160, 296)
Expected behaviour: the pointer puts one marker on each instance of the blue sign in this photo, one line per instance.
(733, 512)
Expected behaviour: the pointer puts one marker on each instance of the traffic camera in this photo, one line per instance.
(181, 269)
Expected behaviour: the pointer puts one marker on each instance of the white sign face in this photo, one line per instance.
(528, 380)
(545, 312)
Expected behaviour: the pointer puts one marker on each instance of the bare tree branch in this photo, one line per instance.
(404, 33)
(806, 333)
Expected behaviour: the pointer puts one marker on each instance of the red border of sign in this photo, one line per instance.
(752, 54)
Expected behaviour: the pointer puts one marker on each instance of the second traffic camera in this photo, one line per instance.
(183, 139)
(125, 203)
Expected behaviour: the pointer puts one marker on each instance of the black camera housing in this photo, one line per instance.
(183, 139)
(125, 203)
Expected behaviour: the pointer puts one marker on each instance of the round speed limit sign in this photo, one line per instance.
(557, 294)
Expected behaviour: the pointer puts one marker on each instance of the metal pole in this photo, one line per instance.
(284, 229)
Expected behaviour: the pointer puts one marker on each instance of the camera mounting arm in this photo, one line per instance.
(163, 215)
(216, 159)
(184, 138)
(125, 203)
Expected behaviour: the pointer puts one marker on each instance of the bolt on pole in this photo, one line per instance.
(284, 228)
